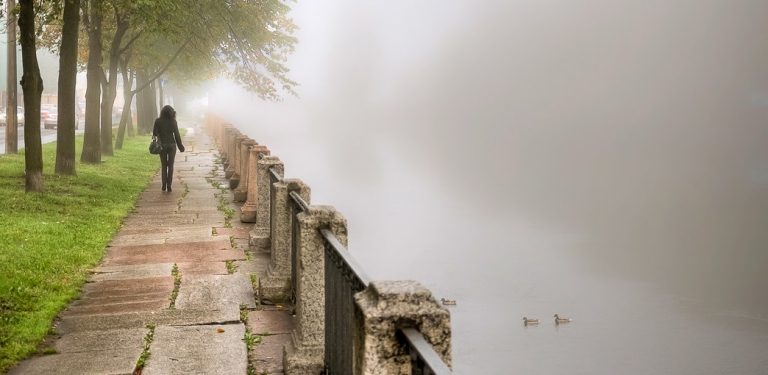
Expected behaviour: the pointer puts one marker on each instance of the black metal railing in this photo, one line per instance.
(343, 278)
(424, 359)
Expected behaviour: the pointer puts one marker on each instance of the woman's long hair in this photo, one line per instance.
(168, 113)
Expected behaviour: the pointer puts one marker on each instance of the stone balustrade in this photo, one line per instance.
(249, 209)
(234, 180)
(276, 285)
(241, 192)
(310, 267)
(229, 146)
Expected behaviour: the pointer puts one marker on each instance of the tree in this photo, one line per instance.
(12, 126)
(32, 85)
(126, 122)
(183, 41)
(121, 23)
(92, 141)
(65, 132)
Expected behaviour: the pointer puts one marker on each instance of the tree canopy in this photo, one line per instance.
(245, 40)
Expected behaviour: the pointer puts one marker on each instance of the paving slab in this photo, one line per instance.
(113, 308)
(241, 232)
(136, 238)
(121, 361)
(141, 296)
(164, 256)
(251, 267)
(215, 291)
(209, 349)
(270, 322)
(224, 315)
(136, 271)
(126, 287)
(267, 356)
(203, 268)
(107, 340)
(217, 244)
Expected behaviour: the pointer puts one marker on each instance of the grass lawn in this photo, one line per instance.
(49, 240)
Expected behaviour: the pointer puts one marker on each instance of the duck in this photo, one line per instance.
(448, 302)
(530, 321)
(561, 319)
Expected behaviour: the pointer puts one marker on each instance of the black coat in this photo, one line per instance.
(167, 132)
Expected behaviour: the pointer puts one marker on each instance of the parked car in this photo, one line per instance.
(49, 116)
(19, 116)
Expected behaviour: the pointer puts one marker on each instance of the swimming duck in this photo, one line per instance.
(529, 321)
(561, 319)
(448, 302)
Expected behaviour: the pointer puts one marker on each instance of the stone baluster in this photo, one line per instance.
(259, 235)
(305, 354)
(248, 210)
(226, 143)
(231, 154)
(241, 193)
(386, 306)
(276, 285)
(234, 180)
(225, 129)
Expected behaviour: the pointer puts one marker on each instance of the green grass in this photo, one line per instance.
(176, 285)
(49, 240)
(231, 266)
(145, 353)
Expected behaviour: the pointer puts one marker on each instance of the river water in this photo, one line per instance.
(605, 161)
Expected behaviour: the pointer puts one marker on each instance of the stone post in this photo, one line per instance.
(241, 193)
(229, 143)
(234, 180)
(386, 306)
(259, 235)
(276, 285)
(248, 210)
(225, 129)
(304, 354)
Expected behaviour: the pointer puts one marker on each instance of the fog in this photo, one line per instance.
(603, 159)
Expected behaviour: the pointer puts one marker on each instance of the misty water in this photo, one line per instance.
(603, 160)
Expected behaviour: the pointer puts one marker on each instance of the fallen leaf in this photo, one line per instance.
(220, 330)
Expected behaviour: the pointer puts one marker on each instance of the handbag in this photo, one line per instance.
(155, 147)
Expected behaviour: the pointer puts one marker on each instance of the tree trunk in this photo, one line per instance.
(92, 142)
(129, 125)
(153, 101)
(108, 97)
(141, 103)
(161, 94)
(106, 116)
(125, 118)
(32, 85)
(11, 125)
(65, 129)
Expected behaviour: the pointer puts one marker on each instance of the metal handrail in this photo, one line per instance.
(303, 206)
(345, 257)
(424, 352)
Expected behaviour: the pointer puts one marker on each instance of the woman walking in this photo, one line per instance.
(167, 132)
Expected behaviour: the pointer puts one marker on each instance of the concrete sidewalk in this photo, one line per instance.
(176, 283)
